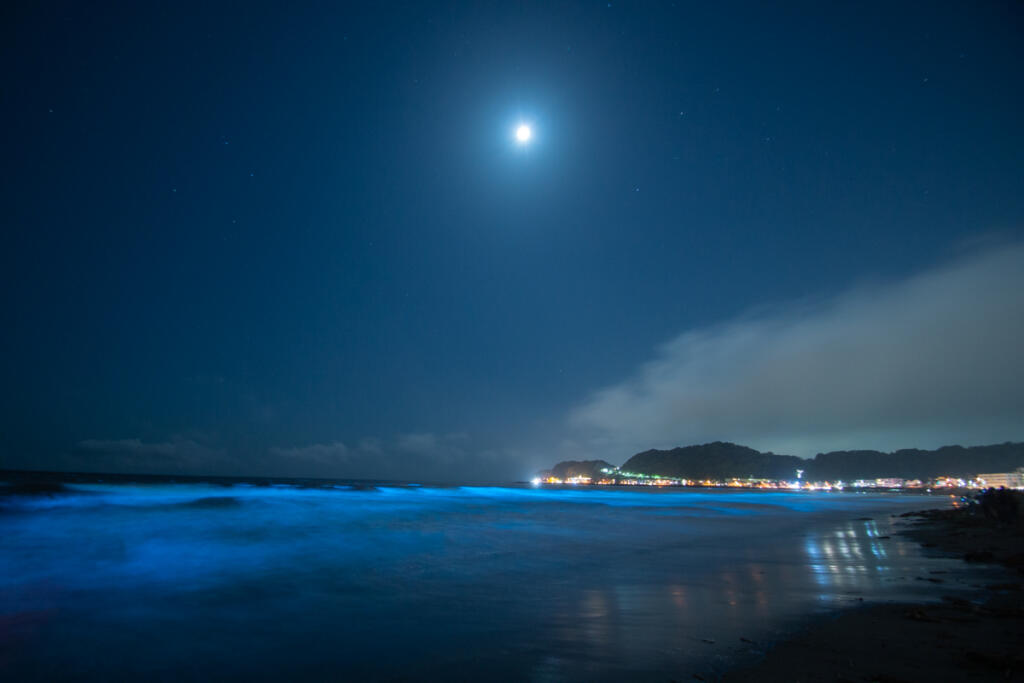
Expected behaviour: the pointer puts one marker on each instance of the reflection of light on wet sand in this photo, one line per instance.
(595, 618)
(851, 558)
(729, 590)
(653, 619)
(678, 594)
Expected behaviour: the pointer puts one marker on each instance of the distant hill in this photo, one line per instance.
(913, 463)
(718, 460)
(723, 460)
(580, 468)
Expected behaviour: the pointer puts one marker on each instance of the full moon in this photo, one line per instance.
(523, 134)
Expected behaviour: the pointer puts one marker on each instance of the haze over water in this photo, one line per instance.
(195, 581)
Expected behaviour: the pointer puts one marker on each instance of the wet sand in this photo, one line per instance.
(955, 639)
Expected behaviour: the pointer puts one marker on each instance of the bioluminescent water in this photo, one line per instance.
(192, 581)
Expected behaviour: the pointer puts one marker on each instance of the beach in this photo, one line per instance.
(979, 636)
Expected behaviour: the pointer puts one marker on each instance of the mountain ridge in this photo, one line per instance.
(719, 460)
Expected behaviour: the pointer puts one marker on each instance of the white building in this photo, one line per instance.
(1010, 480)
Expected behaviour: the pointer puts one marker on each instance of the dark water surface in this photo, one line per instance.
(194, 581)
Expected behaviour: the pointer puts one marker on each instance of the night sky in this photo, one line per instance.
(303, 240)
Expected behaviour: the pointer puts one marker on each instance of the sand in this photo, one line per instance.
(981, 639)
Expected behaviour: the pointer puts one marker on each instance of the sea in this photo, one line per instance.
(261, 580)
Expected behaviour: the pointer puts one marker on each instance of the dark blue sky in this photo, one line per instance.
(257, 238)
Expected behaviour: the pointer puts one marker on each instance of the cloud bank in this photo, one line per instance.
(425, 456)
(335, 453)
(135, 455)
(421, 456)
(927, 361)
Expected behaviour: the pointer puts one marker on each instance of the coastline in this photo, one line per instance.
(954, 639)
